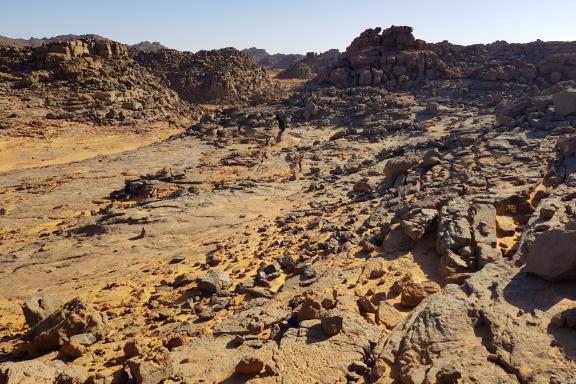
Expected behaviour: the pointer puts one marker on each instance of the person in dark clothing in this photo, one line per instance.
(281, 119)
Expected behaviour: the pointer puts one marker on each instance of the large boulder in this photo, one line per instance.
(37, 308)
(552, 255)
(41, 372)
(565, 102)
(74, 318)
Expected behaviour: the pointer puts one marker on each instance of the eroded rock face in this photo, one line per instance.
(466, 239)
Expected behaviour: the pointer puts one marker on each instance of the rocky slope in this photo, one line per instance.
(387, 236)
(86, 80)
(224, 75)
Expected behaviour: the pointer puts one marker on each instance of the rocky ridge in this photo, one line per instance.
(225, 75)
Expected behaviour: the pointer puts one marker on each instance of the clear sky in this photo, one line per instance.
(288, 26)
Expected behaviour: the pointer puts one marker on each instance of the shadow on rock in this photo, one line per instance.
(530, 293)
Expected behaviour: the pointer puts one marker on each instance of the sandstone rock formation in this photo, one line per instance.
(88, 80)
(392, 58)
(224, 75)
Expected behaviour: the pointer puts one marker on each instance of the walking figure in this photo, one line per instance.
(281, 119)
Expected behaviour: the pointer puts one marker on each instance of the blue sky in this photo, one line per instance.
(289, 26)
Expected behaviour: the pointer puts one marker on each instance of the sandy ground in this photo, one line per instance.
(50, 238)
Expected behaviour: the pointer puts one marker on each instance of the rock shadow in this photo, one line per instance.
(529, 292)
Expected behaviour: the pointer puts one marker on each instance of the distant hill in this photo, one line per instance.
(147, 46)
(35, 42)
(276, 61)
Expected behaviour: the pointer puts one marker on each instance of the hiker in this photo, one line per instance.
(281, 119)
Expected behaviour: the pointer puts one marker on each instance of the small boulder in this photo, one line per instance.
(414, 293)
(449, 374)
(398, 165)
(151, 369)
(432, 108)
(132, 348)
(418, 221)
(331, 321)
(361, 187)
(310, 309)
(249, 366)
(287, 263)
(214, 281)
(506, 112)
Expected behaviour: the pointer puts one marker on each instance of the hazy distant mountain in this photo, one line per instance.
(36, 42)
(147, 46)
(276, 61)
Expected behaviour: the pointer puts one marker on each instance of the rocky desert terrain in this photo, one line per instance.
(414, 223)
